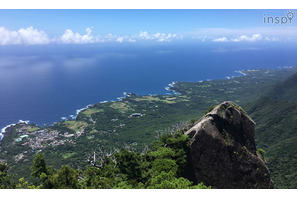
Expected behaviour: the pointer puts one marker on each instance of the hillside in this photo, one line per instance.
(286, 90)
(276, 118)
(184, 159)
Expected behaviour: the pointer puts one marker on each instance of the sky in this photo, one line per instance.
(58, 26)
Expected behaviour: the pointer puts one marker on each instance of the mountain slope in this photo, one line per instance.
(286, 90)
(276, 131)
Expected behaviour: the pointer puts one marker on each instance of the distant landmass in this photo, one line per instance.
(135, 122)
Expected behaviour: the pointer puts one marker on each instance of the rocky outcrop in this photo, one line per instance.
(223, 152)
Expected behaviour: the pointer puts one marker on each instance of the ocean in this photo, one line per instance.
(44, 84)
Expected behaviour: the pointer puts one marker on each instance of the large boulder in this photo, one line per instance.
(223, 152)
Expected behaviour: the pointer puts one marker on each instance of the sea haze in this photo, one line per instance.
(45, 83)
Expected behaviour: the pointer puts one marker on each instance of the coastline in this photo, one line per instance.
(170, 85)
(126, 94)
(4, 129)
(73, 117)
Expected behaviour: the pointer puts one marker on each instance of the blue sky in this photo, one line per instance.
(95, 26)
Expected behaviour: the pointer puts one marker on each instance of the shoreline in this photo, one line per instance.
(126, 94)
(4, 129)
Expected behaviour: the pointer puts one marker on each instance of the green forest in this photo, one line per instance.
(161, 167)
(107, 140)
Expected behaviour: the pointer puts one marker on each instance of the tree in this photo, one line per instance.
(164, 165)
(179, 144)
(41, 172)
(65, 178)
(39, 166)
(25, 185)
(101, 178)
(6, 180)
(167, 180)
(129, 164)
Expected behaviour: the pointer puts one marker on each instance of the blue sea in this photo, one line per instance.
(44, 83)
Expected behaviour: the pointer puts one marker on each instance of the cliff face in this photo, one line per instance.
(223, 152)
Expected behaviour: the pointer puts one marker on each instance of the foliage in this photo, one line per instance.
(276, 132)
(25, 185)
(160, 167)
(65, 178)
(39, 166)
(167, 180)
(261, 152)
(209, 109)
(5, 179)
(129, 164)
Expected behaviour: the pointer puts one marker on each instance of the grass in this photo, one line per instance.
(33, 129)
(93, 131)
(89, 112)
(90, 137)
(75, 125)
(68, 155)
(164, 99)
(121, 106)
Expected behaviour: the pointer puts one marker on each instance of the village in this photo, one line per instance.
(36, 139)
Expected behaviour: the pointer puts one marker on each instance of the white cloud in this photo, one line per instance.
(115, 38)
(131, 40)
(31, 36)
(28, 36)
(244, 38)
(144, 35)
(222, 39)
(161, 37)
(255, 37)
(70, 37)
(271, 38)
(120, 39)
(275, 33)
(109, 37)
(157, 35)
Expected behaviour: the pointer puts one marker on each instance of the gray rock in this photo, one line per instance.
(223, 152)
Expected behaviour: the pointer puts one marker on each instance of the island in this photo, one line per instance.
(132, 122)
